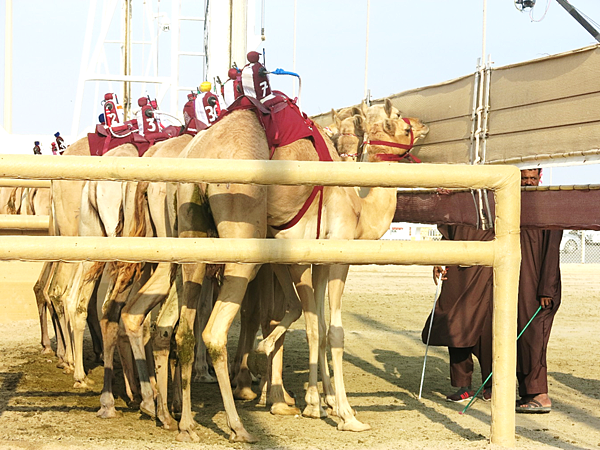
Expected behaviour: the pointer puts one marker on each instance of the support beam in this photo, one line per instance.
(15, 182)
(24, 223)
(216, 250)
(195, 170)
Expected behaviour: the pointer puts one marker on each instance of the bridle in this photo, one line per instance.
(407, 147)
(360, 146)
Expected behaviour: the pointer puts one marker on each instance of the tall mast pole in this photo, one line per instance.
(127, 60)
(367, 51)
(579, 18)
(8, 68)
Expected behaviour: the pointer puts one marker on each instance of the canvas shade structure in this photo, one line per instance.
(542, 110)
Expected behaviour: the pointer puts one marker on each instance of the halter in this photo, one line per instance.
(360, 146)
(393, 157)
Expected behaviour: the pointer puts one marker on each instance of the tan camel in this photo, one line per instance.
(245, 211)
(52, 285)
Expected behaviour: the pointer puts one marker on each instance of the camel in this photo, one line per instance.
(55, 277)
(245, 211)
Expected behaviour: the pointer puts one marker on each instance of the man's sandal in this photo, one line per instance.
(532, 407)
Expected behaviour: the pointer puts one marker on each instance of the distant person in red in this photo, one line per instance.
(36, 148)
(539, 285)
(54, 151)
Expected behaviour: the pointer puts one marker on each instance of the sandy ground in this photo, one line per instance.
(384, 311)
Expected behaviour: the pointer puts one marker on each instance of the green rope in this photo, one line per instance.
(490, 375)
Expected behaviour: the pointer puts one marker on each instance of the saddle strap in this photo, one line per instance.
(316, 190)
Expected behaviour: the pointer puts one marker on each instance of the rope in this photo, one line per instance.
(490, 375)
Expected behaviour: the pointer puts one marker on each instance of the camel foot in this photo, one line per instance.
(242, 436)
(206, 379)
(244, 393)
(61, 364)
(108, 413)
(314, 412)
(170, 425)
(353, 425)
(47, 351)
(283, 409)
(188, 436)
(289, 398)
(84, 384)
(265, 347)
(148, 408)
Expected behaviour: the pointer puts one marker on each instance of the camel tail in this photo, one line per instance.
(11, 207)
(125, 272)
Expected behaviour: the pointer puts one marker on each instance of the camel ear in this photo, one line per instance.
(388, 107)
(389, 126)
(357, 111)
(359, 124)
(336, 118)
(364, 108)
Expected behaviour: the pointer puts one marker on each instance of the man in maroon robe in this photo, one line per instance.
(462, 319)
(539, 285)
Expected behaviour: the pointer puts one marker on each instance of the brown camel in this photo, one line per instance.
(246, 211)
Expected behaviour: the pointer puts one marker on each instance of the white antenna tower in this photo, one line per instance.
(131, 51)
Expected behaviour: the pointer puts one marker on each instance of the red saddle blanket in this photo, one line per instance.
(104, 139)
(283, 123)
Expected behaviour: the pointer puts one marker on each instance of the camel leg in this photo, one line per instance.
(294, 311)
(114, 336)
(215, 336)
(78, 317)
(280, 399)
(293, 307)
(320, 278)
(57, 293)
(193, 275)
(262, 285)
(38, 289)
(205, 307)
(177, 399)
(165, 323)
(93, 322)
(301, 276)
(337, 280)
(133, 316)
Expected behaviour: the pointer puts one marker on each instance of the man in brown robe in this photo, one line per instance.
(462, 319)
(539, 285)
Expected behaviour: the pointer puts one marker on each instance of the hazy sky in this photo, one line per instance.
(411, 44)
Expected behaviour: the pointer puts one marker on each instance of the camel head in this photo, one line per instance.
(391, 139)
(350, 137)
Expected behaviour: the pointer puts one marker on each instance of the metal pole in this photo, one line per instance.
(367, 50)
(579, 18)
(8, 68)
(294, 51)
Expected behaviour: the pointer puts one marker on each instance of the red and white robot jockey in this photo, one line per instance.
(255, 80)
(146, 119)
(232, 89)
(207, 105)
(113, 111)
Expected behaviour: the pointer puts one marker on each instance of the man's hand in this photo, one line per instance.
(439, 272)
(545, 301)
